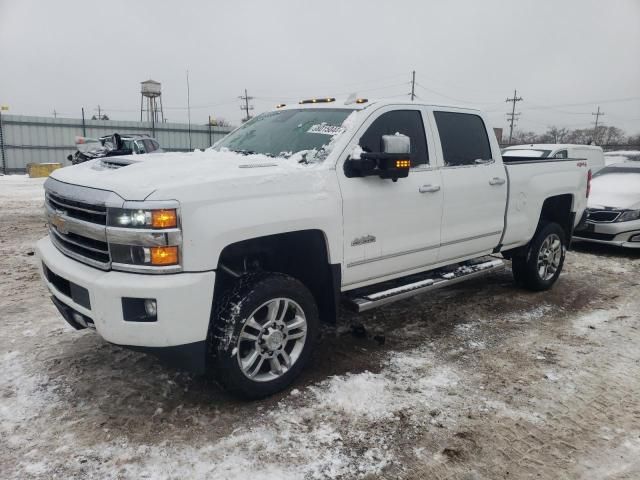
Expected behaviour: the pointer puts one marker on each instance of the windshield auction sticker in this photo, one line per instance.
(324, 129)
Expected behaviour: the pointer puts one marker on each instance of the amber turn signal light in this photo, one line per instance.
(164, 219)
(403, 163)
(164, 255)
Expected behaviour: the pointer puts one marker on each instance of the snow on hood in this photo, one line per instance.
(617, 190)
(141, 175)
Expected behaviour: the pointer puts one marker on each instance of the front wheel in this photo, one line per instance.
(263, 333)
(542, 263)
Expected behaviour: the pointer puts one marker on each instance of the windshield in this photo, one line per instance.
(529, 153)
(283, 133)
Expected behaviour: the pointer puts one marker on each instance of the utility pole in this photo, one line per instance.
(55, 114)
(84, 128)
(189, 109)
(4, 157)
(246, 107)
(99, 116)
(413, 85)
(210, 139)
(512, 116)
(598, 114)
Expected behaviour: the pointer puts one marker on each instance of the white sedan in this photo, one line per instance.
(613, 213)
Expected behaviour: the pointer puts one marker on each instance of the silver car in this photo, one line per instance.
(613, 213)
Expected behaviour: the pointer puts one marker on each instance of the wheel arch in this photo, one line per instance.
(555, 209)
(302, 254)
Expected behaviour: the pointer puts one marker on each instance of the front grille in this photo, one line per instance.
(78, 229)
(602, 216)
(95, 251)
(80, 210)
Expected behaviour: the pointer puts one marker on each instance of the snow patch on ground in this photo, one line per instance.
(593, 320)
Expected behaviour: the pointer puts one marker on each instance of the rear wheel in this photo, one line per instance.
(263, 333)
(542, 263)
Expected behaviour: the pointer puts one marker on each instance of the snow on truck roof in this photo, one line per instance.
(353, 103)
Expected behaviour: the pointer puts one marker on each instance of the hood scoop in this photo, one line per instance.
(111, 164)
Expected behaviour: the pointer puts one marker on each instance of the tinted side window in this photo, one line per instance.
(463, 137)
(561, 154)
(407, 122)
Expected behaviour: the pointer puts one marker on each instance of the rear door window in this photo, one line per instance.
(464, 139)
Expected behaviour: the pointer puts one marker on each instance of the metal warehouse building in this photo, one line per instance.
(43, 139)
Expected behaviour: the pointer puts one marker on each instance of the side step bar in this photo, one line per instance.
(363, 301)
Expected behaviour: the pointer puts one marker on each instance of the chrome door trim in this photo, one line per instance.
(391, 255)
(461, 240)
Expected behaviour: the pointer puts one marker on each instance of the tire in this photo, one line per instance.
(262, 334)
(540, 267)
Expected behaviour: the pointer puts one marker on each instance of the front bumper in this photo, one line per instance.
(614, 233)
(184, 301)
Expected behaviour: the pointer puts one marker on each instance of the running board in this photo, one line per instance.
(366, 300)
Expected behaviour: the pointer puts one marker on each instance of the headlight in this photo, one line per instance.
(629, 215)
(133, 218)
(145, 239)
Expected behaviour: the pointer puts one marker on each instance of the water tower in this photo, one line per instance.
(150, 90)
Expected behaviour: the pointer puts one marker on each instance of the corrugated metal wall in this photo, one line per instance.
(44, 139)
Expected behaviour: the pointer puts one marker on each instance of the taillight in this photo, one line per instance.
(589, 177)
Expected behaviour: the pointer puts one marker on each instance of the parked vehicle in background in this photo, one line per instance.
(613, 213)
(228, 259)
(113, 146)
(619, 156)
(591, 153)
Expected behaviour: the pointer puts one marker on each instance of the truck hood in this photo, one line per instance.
(136, 177)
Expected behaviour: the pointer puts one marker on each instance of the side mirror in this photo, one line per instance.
(70, 158)
(393, 162)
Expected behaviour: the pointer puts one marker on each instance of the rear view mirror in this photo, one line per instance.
(396, 144)
(393, 162)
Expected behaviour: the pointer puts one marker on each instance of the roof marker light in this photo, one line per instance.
(318, 100)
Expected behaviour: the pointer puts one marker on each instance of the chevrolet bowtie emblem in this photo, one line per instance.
(58, 221)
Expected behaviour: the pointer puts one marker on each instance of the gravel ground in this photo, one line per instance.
(484, 381)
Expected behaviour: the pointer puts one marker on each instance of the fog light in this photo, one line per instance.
(150, 307)
(635, 238)
(139, 309)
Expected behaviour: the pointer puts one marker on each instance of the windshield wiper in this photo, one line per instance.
(252, 152)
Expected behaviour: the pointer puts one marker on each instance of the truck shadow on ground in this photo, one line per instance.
(134, 385)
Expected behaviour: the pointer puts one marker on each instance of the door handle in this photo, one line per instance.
(497, 181)
(429, 188)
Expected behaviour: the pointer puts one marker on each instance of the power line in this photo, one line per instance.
(512, 116)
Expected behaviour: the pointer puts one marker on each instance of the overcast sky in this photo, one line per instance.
(565, 57)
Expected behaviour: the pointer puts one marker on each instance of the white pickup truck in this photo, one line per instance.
(227, 260)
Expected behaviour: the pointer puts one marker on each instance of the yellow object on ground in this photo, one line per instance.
(37, 170)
